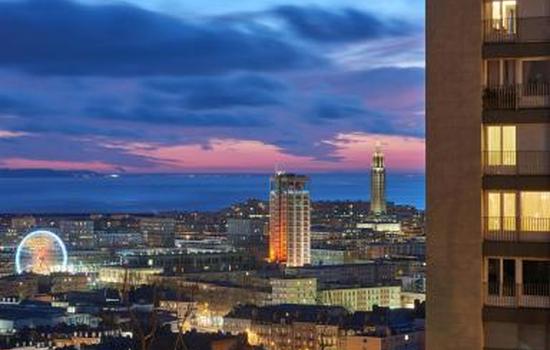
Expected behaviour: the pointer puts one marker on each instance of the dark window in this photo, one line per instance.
(536, 277)
(494, 276)
(508, 277)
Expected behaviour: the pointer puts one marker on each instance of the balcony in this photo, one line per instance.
(516, 162)
(516, 229)
(518, 96)
(532, 295)
(517, 30)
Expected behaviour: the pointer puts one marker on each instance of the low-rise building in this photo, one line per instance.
(14, 317)
(119, 239)
(77, 234)
(185, 260)
(368, 273)
(66, 282)
(158, 231)
(132, 276)
(381, 226)
(290, 327)
(409, 340)
(329, 256)
(363, 298)
(293, 290)
(287, 327)
(409, 300)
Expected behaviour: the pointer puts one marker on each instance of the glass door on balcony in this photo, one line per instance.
(536, 83)
(500, 17)
(503, 13)
(536, 277)
(535, 212)
(493, 276)
(501, 277)
(501, 212)
(500, 145)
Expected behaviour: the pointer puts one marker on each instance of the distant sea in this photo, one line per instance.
(156, 193)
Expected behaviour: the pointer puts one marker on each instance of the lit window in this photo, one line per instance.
(500, 145)
(502, 15)
(535, 211)
(501, 211)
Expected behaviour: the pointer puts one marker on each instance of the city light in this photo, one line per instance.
(41, 252)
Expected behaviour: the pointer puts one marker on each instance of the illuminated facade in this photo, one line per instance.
(378, 183)
(293, 290)
(488, 174)
(362, 299)
(135, 276)
(289, 223)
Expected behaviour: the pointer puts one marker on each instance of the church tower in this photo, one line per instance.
(378, 183)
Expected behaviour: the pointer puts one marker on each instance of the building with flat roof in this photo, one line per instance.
(290, 220)
(132, 276)
(293, 290)
(77, 234)
(14, 317)
(488, 174)
(158, 231)
(362, 298)
(319, 327)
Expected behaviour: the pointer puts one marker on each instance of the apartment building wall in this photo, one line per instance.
(453, 122)
(502, 81)
(290, 220)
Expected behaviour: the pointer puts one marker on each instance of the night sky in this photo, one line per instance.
(211, 85)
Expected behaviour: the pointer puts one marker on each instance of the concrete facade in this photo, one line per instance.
(488, 174)
(453, 122)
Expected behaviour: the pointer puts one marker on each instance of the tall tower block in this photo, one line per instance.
(378, 183)
(289, 223)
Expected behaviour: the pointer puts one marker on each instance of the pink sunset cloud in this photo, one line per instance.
(402, 153)
(352, 153)
(22, 163)
(6, 134)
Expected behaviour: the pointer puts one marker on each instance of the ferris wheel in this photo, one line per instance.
(41, 252)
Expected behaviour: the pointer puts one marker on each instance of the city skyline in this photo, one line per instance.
(123, 91)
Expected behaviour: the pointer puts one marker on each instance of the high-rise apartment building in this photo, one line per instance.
(289, 222)
(488, 174)
(378, 183)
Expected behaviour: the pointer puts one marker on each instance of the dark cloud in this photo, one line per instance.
(175, 117)
(334, 108)
(59, 37)
(224, 92)
(343, 25)
(79, 77)
(14, 105)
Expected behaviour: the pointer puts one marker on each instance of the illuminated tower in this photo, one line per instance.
(378, 183)
(289, 222)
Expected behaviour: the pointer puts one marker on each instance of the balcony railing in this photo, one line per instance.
(516, 162)
(517, 30)
(516, 229)
(518, 96)
(533, 295)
